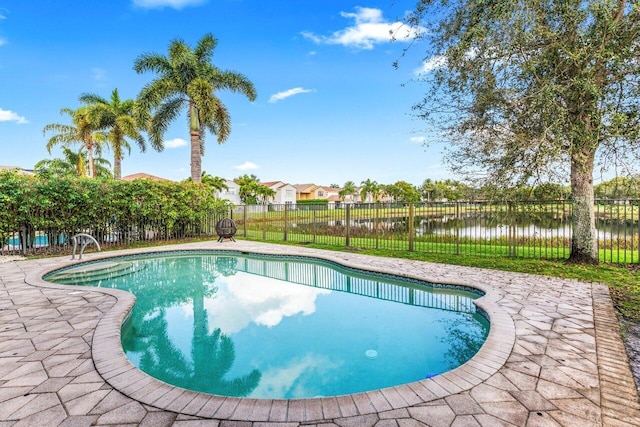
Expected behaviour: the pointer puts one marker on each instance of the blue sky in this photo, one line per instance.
(330, 108)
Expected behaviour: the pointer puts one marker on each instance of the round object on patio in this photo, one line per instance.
(226, 229)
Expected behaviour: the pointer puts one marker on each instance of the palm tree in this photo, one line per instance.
(369, 187)
(116, 116)
(187, 79)
(348, 189)
(264, 193)
(73, 163)
(215, 182)
(83, 130)
(252, 192)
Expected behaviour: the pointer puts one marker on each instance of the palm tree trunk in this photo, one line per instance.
(117, 167)
(196, 153)
(92, 163)
(196, 157)
(117, 141)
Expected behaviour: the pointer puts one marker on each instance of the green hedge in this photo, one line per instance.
(313, 202)
(71, 204)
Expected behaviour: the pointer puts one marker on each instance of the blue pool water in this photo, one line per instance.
(281, 327)
(40, 240)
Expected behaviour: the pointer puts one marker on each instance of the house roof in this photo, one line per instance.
(305, 188)
(274, 184)
(143, 176)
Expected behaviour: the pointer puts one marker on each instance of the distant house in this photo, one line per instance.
(313, 191)
(232, 193)
(334, 201)
(350, 198)
(285, 193)
(304, 191)
(141, 175)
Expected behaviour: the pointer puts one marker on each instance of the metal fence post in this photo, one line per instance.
(264, 224)
(347, 221)
(244, 220)
(376, 224)
(410, 227)
(511, 235)
(457, 227)
(285, 222)
(313, 227)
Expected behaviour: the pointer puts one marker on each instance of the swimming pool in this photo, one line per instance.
(283, 327)
(39, 240)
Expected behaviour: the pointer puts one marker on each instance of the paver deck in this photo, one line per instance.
(554, 357)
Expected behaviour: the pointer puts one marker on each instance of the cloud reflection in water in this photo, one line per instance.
(246, 298)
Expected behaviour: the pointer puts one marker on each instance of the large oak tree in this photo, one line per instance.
(524, 90)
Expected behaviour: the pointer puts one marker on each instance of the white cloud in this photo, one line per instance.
(3, 41)
(287, 93)
(10, 116)
(158, 4)
(246, 166)
(431, 64)
(418, 139)
(175, 143)
(370, 28)
(3, 13)
(438, 61)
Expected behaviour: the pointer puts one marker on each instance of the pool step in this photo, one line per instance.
(92, 273)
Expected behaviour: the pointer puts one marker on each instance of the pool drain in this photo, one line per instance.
(371, 354)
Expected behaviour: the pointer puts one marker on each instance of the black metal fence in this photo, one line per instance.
(539, 230)
(110, 233)
(513, 229)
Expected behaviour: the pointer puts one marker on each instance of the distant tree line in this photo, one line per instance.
(252, 192)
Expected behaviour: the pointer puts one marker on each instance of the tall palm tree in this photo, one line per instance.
(188, 79)
(84, 130)
(117, 117)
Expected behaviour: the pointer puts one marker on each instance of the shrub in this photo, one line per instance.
(68, 205)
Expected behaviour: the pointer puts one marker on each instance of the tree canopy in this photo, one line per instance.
(84, 129)
(536, 89)
(252, 192)
(116, 117)
(72, 164)
(349, 189)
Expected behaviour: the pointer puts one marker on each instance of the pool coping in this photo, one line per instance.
(113, 365)
(615, 394)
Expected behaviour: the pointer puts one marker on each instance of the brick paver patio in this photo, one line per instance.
(554, 357)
